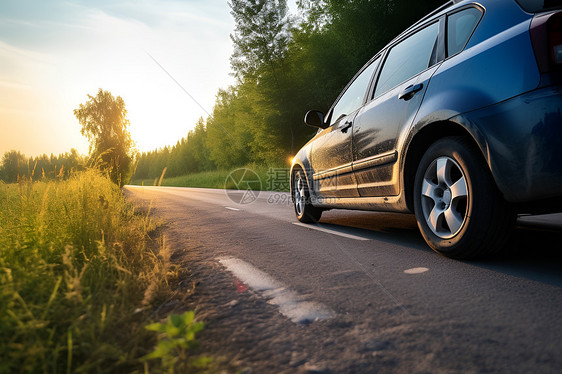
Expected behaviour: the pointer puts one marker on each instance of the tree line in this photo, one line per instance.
(16, 166)
(284, 65)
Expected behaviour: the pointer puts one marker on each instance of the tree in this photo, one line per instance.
(226, 136)
(260, 37)
(14, 166)
(104, 122)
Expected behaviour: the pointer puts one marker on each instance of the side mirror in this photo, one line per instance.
(315, 118)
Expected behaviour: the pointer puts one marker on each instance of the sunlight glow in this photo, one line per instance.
(43, 79)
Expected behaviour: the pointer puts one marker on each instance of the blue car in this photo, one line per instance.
(458, 120)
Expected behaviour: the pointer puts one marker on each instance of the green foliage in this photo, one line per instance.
(228, 133)
(260, 37)
(176, 336)
(104, 122)
(189, 155)
(272, 178)
(15, 166)
(285, 66)
(77, 277)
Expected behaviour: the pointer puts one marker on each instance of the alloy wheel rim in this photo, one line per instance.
(444, 197)
(299, 195)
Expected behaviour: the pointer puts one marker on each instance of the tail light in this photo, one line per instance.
(546, 36)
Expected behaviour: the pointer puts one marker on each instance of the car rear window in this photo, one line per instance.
(536, 6)
(460, 26)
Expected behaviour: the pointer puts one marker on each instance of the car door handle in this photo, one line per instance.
(346, 126)
(409, 92)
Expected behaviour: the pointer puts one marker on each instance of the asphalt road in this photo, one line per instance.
(361, 292)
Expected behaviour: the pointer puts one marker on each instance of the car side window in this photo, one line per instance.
(460, 26)
(355, 93)
(408, 58)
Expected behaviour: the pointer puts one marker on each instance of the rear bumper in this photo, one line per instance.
(522, 141)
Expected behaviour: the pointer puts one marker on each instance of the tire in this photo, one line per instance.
(304, 209)
(460, 212)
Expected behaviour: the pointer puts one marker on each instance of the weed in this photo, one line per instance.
(272, 179)
(76, 262)
(176, 336)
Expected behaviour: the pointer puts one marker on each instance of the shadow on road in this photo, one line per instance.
(394, 228)
(533, 252)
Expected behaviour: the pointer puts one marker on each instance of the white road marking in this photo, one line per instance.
(314, 227)
(290, 303)
(416, 270)
(227, 207)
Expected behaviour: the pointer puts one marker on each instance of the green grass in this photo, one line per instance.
(79, 278)
(271, 179)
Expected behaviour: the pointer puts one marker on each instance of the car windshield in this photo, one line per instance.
(535, 6)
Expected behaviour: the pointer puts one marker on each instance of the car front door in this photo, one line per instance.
(331, 153)
(399, 90)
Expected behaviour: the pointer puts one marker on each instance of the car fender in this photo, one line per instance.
(302, 161)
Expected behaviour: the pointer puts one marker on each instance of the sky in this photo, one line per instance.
(54, 53)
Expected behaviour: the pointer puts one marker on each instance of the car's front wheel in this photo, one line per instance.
(304, 209)
(459, 210)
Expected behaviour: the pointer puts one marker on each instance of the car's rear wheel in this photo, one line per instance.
(459, 210)
(304, 209)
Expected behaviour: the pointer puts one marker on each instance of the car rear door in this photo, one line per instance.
(397, 95)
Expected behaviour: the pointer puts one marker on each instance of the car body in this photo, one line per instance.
(472, 93)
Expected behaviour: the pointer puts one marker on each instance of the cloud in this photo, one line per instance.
(52, 54)
(164, 13)
(11, 51)
(14, 85)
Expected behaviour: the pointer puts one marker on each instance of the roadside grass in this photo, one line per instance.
(271, 178)
(80, 278)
